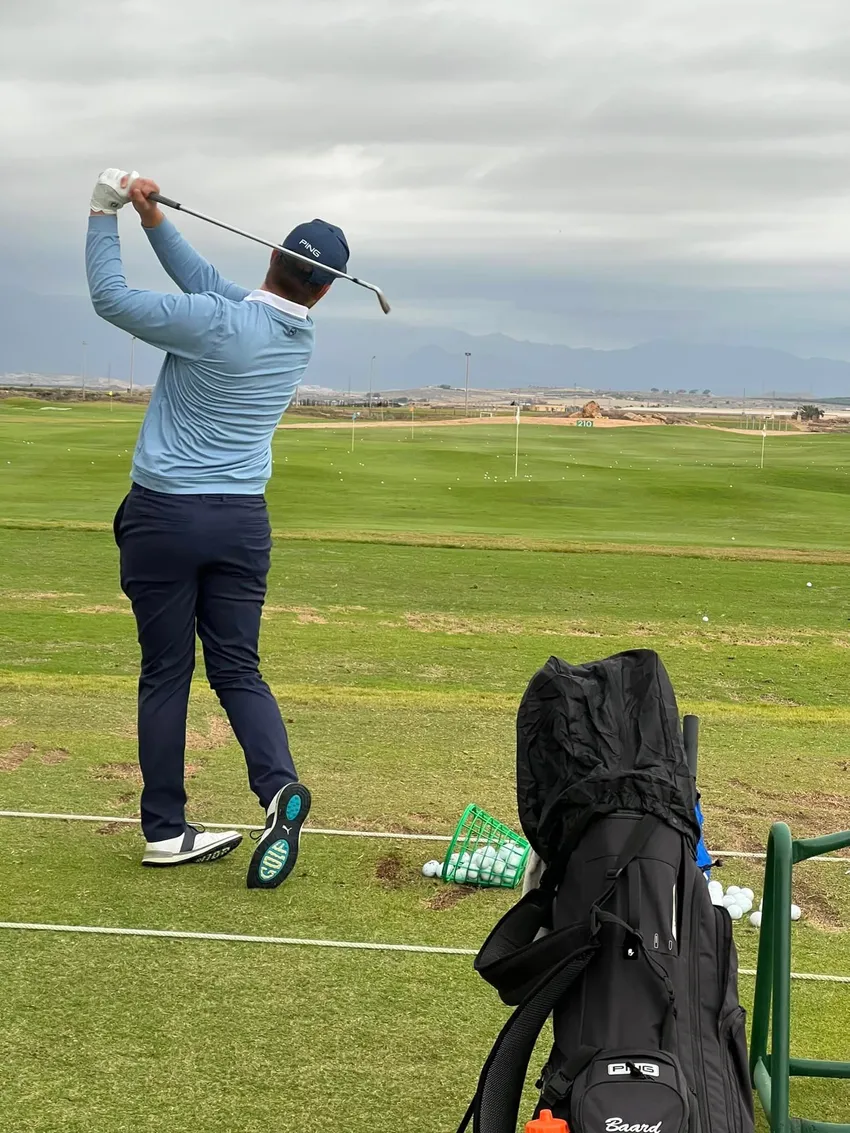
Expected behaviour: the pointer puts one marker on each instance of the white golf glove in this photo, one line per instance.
(108, 196)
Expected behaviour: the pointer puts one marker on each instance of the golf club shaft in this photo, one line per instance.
(169, 203)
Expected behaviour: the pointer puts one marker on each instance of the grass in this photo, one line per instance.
(399, 667)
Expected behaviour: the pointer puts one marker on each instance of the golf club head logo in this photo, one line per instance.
(273, 860)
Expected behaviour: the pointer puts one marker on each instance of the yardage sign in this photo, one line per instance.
(584, 424)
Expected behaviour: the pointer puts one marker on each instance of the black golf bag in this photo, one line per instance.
(620, 943)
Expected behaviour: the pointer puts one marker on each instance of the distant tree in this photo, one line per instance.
(706, 393)
(654, 389)
(444, 385)
(692, 391)
(680, 391)
(810, 413)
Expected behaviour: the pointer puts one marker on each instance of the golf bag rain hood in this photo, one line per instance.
(620, 944)
(598, 738)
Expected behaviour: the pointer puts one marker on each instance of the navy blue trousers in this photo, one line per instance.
(198, 565)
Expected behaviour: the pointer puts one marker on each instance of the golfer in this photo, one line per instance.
(193, 532)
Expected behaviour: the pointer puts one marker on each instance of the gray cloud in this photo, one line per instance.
(592, 172)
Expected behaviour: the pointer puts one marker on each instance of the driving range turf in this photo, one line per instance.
(407, 610)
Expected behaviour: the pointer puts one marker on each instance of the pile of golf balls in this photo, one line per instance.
(486, 865)
(738, 902)
(735, 900)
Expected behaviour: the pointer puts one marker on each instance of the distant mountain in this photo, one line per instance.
(45, 334)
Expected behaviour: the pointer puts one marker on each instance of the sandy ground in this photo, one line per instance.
(598, 423)
(568, 422)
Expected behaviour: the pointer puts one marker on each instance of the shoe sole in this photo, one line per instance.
(277, 851)
(212, 854)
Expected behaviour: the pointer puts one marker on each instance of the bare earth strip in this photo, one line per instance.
(495, 543)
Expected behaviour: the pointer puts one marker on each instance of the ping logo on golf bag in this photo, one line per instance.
(648, 1069)
(617, 1125)
(313, 251)
(274, 859)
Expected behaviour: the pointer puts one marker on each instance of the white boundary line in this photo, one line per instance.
(360, 945)
(759, 856)
(237, 938)
(229, 826)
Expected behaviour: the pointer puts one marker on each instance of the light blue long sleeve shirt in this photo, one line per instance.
(233, 361)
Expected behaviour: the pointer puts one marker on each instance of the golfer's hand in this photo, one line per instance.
(149, 211)
(112, 191)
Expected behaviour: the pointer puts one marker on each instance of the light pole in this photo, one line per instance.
(132, 353)
(84, 370)
(466, 398)
(371, 369)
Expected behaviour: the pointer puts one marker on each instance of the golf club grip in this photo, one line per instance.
(161, 200)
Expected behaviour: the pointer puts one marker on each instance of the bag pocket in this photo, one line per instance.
(736, 1070)
(630, 1092)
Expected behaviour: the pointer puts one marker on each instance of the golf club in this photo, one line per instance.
(169, 203)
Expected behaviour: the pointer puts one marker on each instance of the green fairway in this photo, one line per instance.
(399, 667)
(677, 486)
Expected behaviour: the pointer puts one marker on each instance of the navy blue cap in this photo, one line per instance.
(322, 242)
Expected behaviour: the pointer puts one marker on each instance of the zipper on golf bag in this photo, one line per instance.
(623, 1091)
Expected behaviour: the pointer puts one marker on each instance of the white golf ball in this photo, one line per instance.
(733, 889)
(808, 584)
(745, 903)
(430, 869)
(749, 893)
(755, 919)
(796, 912)
(735, 912)
(460, 875)
(705, 618)
(728, 900)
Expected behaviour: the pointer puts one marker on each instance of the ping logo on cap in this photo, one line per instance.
(313, 251)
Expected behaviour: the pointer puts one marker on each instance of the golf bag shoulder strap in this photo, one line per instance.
(515, 953)
(495, 1106)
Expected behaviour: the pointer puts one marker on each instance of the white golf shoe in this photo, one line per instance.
(194, 845)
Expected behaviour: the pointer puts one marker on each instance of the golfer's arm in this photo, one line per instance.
(190, 271)
(188, 326)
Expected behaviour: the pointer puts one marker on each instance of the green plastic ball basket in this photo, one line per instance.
(483, 851)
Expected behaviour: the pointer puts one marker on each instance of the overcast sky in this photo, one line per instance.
(594, 172)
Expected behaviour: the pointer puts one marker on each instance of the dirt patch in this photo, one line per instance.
(390, 870)
(449, 897)
(438, 623)
(38, 595)
(304, 615)
(807, 811)
(817, 908)
(453, 625)
(7, 722)
(55, 755)
(101, 610)
(111, 828)
(118, 772)
(12, 759)
(218, 734)
(131, 773)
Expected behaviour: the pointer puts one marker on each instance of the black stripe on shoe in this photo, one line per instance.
(219, 847)
(277, 848)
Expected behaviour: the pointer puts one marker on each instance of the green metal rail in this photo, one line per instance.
(772, 1069)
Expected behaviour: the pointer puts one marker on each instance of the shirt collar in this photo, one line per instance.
(285, 305)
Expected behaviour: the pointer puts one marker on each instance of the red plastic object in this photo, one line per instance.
(546, 1123)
